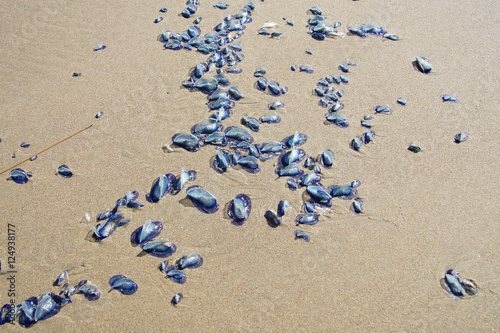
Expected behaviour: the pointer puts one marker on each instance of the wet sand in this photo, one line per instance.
(378, 271)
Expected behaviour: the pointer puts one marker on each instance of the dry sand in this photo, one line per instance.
(379, 271)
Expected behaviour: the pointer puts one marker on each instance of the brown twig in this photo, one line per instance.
(55, 144)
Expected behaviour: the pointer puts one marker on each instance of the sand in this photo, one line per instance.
(378, 271)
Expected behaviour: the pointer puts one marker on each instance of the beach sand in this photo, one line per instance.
(378, 271)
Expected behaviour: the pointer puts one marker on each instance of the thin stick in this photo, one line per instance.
(55, 144)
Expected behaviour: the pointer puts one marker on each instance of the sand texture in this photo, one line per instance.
(379, 271)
